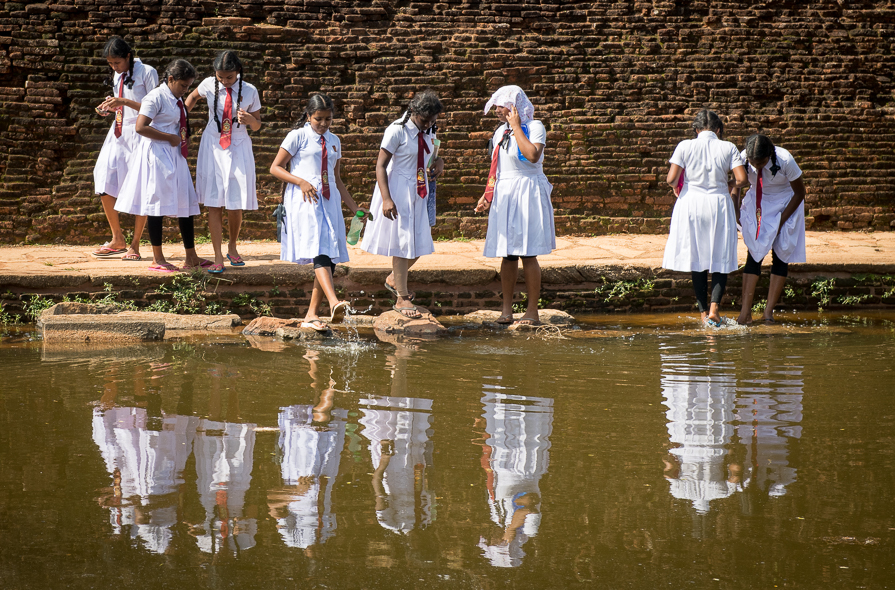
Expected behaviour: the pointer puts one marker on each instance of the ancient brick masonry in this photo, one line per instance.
(616, 83)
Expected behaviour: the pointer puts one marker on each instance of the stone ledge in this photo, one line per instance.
(100, 328)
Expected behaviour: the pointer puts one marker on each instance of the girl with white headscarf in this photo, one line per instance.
(517, 198)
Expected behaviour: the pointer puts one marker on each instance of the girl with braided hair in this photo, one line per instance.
(400, 228)
(159, 183)
(225, 169)
(131, 80)
(772, 216)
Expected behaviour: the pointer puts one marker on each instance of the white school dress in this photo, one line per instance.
(313, 229)
(226, 177)
(111, 165)
(519, 429)
(310, 451)
(520, 220)
(789, 243)
(159, 182)
(410, 235)
(703, 225)
(406, 421)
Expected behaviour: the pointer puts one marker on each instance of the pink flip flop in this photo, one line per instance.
(163, 268)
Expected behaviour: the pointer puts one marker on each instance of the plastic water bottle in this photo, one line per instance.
(357, 224)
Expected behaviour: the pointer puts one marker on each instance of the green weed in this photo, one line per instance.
(759, 305)
(822, 290)
(853, 299)
(37, 305)
(8, 319)
(621, 289)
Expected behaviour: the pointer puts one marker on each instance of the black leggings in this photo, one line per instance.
(187, 231)
(512, 258)
(778, 267)
(701, 287)
(324, 261)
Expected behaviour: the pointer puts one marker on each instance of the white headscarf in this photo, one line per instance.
(507, 96)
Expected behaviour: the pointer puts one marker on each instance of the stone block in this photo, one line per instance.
(99, 328)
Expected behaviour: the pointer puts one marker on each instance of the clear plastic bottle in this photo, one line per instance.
(357, 224)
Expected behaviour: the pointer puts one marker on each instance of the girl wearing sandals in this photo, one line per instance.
(402, 231)
(159, 183)
(225, 170)
(703, 234)
(772, 216)
(131, 81)
(314, 229)
(517, 198)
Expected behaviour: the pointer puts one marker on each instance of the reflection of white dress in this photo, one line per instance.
(151, 464)
(700, 412)
(406, 421)
(519, 429)
(310, 451)
(224, 468)
(767, 419)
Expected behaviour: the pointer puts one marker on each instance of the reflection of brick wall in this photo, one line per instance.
(617, 84)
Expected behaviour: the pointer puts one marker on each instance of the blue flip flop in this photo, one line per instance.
(236, 260)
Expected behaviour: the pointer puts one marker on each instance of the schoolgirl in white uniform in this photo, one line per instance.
(159, 183)
(314, 229)
(703, 234)
(772, 216)
(131, 81)
(517, 198)
(225, 170)
(402, 229)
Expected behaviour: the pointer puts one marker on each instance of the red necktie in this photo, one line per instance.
(324, 170)
(184, 140)
(492, 174)
(422, 150)
(119, 112)
(227, 124)
(758, 204)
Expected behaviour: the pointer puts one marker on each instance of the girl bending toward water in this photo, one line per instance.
(159, 183)
(225, 170)
(314, 229)
(131, 81)
(402, 230)
(703, 234)
(517, 198)
(772, 216)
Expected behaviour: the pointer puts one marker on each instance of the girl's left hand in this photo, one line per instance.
(111, 103)
(244, 118)
(437, 169)
(513, 118)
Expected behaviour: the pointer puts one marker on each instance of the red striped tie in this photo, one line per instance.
(324, 170)
(119, 112)
(227, 124)
(422, 150)
(184, 140)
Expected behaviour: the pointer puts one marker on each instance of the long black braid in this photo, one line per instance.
(759, 147)
(180, 69)
(426, 104)
(118, 47)
(227, 61)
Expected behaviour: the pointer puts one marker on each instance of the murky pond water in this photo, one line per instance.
(672, 457)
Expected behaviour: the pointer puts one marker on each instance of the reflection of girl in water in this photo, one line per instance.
(515, 456)
(311, 442)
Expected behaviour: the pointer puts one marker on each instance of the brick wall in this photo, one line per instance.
(617, 84)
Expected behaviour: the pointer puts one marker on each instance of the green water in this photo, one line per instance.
(665, 456)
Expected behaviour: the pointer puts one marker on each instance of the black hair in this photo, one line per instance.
(226, 61)
(759, 147)
(118, 47)
(426, 104)
(707, 120)
(179, 69)
(317, 102)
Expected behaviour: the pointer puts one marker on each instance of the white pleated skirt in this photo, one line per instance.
(788, 242)
(226, 177)
(408, 236)
(703, 233)
(520, 219)
(158, 183)
(313, 229)
(111, 165)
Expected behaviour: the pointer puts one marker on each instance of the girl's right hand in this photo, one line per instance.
(174, 140)
(483, 205)
(308, 192)
(389, 210)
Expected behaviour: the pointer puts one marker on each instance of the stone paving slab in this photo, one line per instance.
(455, 262)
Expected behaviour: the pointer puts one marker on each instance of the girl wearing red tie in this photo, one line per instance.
(402, 229)
(314, 229)
(131, 81)
(225, 170)
(517, 197)
(159, 183)
(772, 216)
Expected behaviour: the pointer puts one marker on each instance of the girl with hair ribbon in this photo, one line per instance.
(225, 170)
(517, 198)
